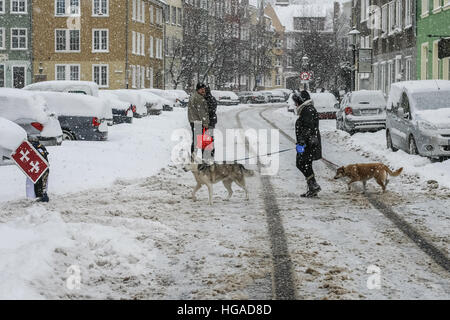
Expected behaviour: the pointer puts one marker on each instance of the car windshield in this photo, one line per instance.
(368, 99)
(431, 100)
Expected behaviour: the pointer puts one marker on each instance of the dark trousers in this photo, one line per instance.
(304, 164)
(40, 187)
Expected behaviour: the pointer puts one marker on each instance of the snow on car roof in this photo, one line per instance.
(113, 101)
(228, 94)
(11, 134)
(64, 85)
(323, 99)
(77, 105)
(414, 87)
(181, 94)
(18, 104)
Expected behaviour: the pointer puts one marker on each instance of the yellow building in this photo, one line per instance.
(117, 44)
(277, 80)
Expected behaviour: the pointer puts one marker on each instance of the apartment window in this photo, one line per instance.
(408, 68)
(100, 40)
(398, 15)
(2, 39)
(424, 62)
(142, 16)
(436, 60)
(100, 75)
(67, 72)
(151, 77)
(398, 68)
(151, 48)
(152, 14)
(179, 17)
(2, 6)
(2, 75)
(384, 19)
(408, 13)
(390, 75)
(67, 40)
(278, 80)
(364, 10)
(289, 61)
(133, 76)
(278, 61)
(142, 53)
(100, 8)
(425, 8)
(67, 7)
(133, 42)
(18, 6)
(437, 6)
(19, 39)
(133, 15)
(142, 77)
(391, 17)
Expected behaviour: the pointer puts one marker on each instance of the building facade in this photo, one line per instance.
(389, 29)
(277, 77)
(115, 44)
(173, 39)
(15, 43)
(433, 28)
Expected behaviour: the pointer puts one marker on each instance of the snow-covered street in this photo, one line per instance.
(121, 223)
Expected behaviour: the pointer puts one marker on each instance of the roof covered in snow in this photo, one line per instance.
(286, 14)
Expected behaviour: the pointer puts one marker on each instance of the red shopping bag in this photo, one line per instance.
(204, 141)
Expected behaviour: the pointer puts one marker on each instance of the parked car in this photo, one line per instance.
(134, 98)
(290, 104)
(83, 87)
(324, 103)
(363, 110)
(30, 111)
(170, 99)
(287, 92)
(81, 117)
(182, 97)
(227, 98)
(250, 97)
(277, 96)
(160, 98)
(418, 118)
(266, 95)
(11, 136)
(122, 111)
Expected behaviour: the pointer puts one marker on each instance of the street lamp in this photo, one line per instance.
(354, 40)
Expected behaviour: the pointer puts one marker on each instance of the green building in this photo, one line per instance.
(15, 43)
(433, 18)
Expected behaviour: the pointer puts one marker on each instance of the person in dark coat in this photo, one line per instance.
(309, 146)
(212, 109)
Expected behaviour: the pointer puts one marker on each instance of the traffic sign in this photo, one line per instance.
(32, 164)
(305, 76)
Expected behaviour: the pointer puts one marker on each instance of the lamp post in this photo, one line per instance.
(354, 40)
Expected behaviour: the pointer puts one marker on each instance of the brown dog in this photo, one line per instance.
(366, 171)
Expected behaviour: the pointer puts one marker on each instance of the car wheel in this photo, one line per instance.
(67, 135)
(412, 146)
(389, 142)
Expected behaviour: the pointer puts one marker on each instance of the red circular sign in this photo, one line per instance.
(305, 75)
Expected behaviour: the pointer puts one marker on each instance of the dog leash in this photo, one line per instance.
(264, 155)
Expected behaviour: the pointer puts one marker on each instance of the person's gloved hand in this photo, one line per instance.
(300, 148)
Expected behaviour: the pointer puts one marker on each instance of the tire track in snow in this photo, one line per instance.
(283, 278)
(430, 249)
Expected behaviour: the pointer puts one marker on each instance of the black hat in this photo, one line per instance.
(297, 99)
(305, 96)
(200, 85)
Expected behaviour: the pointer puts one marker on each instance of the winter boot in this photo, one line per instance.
(313, 188)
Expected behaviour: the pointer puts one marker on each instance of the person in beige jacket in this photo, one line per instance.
(198, 113)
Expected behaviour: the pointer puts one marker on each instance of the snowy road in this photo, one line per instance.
(144, 237)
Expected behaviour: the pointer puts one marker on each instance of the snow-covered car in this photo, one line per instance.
(122, 111)
(227, 98)
(324, 103)
(418, 118)
(171, 98)
(267, 95)
(83, 87)
(250, 97)
(11, 136)
(277, 96)
(286, 92)
(159, 98)
(154, 103)
(182, 97)
(82, 117)
(135, 99)
(30, 111)
(363, 110)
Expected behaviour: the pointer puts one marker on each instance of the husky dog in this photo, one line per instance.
(366, 171)
(211, 174)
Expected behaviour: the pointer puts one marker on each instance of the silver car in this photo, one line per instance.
(360, 111)
(418, 118)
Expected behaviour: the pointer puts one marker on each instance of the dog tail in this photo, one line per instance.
(246, 172)
(395, 173)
